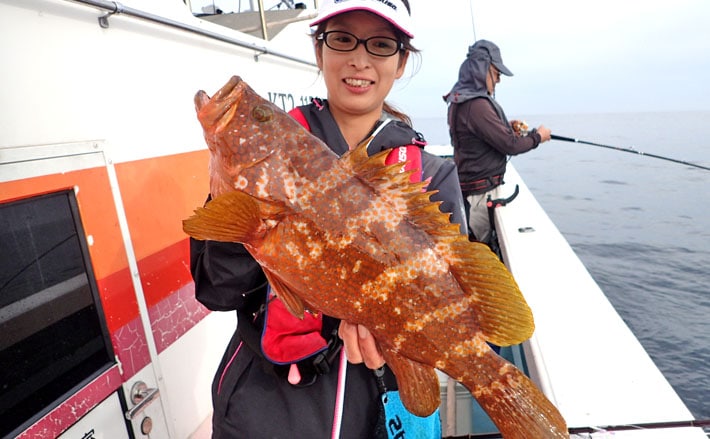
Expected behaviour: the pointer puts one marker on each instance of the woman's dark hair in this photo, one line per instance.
(406, 47)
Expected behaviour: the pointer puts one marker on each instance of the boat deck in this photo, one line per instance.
(582, 354)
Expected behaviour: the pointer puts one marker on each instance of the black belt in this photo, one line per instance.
(482, 185)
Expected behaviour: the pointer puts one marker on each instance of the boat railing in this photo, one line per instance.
(113, 8)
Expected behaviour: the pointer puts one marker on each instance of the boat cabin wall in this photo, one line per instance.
(133, 82)
(104, 115)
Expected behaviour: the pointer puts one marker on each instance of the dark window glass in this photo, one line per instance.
(53, 337)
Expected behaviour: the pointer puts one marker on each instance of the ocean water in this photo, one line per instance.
(641, 225)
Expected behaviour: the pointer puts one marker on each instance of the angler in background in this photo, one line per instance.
(286, 377)
(481, 135)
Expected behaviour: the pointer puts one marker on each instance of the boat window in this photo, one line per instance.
(53, 336)
(246, 17)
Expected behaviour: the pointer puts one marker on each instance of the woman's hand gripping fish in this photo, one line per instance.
(354, 239)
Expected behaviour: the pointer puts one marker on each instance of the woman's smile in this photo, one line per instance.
(358, 82)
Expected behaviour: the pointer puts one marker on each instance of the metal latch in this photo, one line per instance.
(141, 396)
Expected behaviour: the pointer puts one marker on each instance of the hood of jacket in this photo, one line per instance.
(473, 71)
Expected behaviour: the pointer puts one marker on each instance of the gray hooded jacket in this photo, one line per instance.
(480, 132)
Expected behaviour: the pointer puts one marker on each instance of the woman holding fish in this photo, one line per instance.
(283, 376)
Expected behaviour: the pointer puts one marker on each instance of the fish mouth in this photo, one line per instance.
(216, 112)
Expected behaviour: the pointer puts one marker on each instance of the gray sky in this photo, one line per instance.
(567, 56)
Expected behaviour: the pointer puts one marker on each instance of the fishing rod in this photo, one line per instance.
(631, 150)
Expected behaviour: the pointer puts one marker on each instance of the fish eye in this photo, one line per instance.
(262, 113)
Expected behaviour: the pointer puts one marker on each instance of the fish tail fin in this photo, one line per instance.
(230, 217)
(513, 402)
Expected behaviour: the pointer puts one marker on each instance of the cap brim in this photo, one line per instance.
(503, 69)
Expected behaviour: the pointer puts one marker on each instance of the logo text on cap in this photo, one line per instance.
(384, 2)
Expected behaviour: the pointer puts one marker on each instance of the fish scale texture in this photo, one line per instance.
(353, 238)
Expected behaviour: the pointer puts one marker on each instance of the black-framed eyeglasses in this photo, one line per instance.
(341, 41)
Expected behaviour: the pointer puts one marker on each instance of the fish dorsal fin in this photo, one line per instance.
(292, 302)
(230, 217)
(506, 318)
(381, 177)
(418, 384)
(503, 314)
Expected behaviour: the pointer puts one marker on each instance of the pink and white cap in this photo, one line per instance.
(393, 11)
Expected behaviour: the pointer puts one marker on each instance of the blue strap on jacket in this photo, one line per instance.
(400, 423)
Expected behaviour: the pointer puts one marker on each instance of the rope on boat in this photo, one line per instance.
(643, 426)
(701, 423)
(631, 150)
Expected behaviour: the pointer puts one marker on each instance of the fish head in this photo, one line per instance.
(241, 130)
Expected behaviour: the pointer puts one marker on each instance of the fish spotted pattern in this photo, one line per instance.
(353, 238)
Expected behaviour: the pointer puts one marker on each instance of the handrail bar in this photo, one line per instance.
(117, 8)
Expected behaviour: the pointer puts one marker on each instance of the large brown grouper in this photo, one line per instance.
(354, 239)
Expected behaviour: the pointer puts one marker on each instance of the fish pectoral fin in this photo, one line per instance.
(293, 303)
(503, 314)
(230, 217)
(418, 384)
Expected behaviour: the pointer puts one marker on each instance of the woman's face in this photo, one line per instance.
(357, 81)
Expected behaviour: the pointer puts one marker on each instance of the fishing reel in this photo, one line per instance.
(520, 127)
